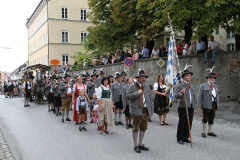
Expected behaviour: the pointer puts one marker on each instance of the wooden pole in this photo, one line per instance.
(189, 129)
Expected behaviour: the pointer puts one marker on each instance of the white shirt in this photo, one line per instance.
(74, 87)
(81, 103)
(189, 93)
(99, 91)
(69, 90)
(213, 92)
(143, 98)
(155, 52)
(24, 85)
(213, 44)
(155, 86)
(185, 51)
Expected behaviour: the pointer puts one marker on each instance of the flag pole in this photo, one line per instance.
(189, 129)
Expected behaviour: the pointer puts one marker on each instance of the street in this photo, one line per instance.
(33, 133)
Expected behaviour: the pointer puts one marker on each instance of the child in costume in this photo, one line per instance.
(82, 109)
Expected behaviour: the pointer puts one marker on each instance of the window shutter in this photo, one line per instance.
(228, 47)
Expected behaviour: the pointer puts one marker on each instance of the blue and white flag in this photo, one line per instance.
(173, 74)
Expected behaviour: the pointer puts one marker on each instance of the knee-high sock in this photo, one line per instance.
(141, 135)
(119, 116)
(67, 113)
(135, 138)
(25, 101)
(115, 116)
(204, 127)
(209, 128)
(48, 106)
(80, 125)
(63, 112)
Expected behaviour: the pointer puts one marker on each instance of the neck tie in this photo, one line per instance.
(211, 86)
(188, 86)
(142, 87)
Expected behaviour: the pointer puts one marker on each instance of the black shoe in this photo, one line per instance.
(68, 119)
(212, 134)
(80, 129)
(137, 149)
(180, 142)
(91, 121)
(83, 128)
(62, 120)
(76, 123)
(71, 109)
(213, 62)
(25, 105)
(205, 61)
(165, 123)
(149, 120)
(142, 147)
(127, 126)
(130, 126)
(186, 140)
(116, 123)
(28, 105)
(60, 113)
(56, 114)
(49, 110)
(204, 135)
(120, 123)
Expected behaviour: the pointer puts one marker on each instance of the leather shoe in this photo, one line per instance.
(25, 105)
(142, 147)
(127, 127)
(116, 123)
(120, 123)
(56, 114)
(68, 119)
(204, 135)
(180, 142)
(149, 120)
(84, 129)
(186, 140)
(137, 149)
(91, 121)
(80, 129)
(28, 105)
(62, 120)
(212, 134)
(130, 126)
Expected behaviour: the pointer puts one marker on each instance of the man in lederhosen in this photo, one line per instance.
(49, 93)
(208, 101)
(188, 89)
(27, 90)
(116, 90)
(66, 96)
(141, 109)
(57, 95)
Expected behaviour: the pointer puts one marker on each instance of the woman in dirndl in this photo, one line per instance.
(161, 101)
(78, 86)
(105, 114)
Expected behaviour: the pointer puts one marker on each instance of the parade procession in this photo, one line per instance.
(120, 80)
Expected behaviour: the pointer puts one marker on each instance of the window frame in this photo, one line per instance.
(81, 36)
(65, 58)
(64, 13)
(84, 9)
(62, 35)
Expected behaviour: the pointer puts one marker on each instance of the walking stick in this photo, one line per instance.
(189, 129)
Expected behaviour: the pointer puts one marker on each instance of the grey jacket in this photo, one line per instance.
(124, 92)
(205, 96)
(98, 83)
(115, 91)
(91, 89)
(55, 90)
(63, 89)
(132, 95)
(180, 97)
(48, 88)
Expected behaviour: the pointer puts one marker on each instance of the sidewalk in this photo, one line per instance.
(5, 153)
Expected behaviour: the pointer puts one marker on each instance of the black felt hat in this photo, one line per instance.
(117, 75)
(67, 75)
(141, 73)
(213, 75)
(185, 72)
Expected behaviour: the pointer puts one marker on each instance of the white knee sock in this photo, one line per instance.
(119, 116)
(141, 135)
(115, 117)
(135, 137)
(204, 127)
(209, 128)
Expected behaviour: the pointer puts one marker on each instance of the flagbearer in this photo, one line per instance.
(208, 101)
(27, 90)
(188, 89)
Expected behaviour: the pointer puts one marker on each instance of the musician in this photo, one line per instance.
(116, 90)
(141, 108)
(188, 89)
(99, 80)
(49, 93)
(66, 95)
(27, 90)
(86, 79)
(208, 101)
(57, 95)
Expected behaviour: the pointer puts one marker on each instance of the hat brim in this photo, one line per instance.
(187, 73)
(211, 77)
(94, 75)
(142, 75)
(118, 77)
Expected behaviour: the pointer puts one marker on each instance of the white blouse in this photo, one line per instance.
(155, 87)
(74, 87)
(99, 91)
(155, 52)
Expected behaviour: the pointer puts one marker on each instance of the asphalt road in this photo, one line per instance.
(32, 133)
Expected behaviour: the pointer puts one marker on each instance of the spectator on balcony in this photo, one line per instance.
(201, 47)
(117, 57)
(145, 53)
(179, 48)
(155, 52)
(113, 59)
(127, 54)
(135, 54)
(212, 48)
(162, 51)
(122, 53)
(95, 62)
(185, 47)
(109, 58)
(135, 47)
(141, 53)
(192, 48)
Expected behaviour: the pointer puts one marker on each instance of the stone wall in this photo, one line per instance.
(229, 87)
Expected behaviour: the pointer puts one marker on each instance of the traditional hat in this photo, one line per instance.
(123, 72)
(66, 75)
(87, 74)
(117, 75)
(101, 72)
(94, 73)
(51, 77)
(185, 71)
(141, 73)
(211, 74)
(58, 77)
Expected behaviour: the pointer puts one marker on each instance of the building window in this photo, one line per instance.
(83, 14)
(43, 40)
(231, 47)
(217, 31)
(65, 37)
(83, 36)
(65, 58)
(64, 13)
